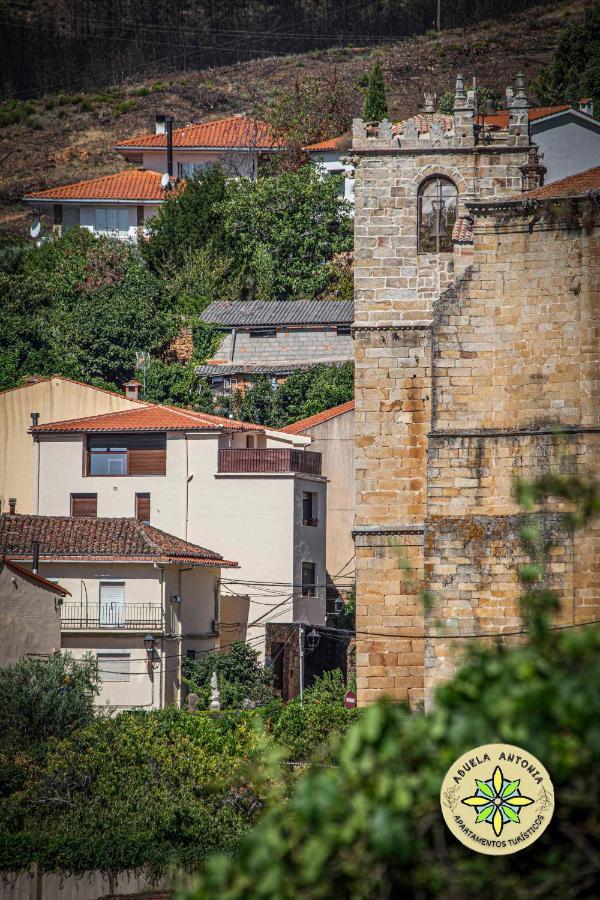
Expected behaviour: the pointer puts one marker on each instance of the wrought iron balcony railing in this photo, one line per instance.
(128, 616)
(303, 462)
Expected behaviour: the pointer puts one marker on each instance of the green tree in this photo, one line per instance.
(172, 383)
(281, 232)
(240, 675)
(189, 220)
(304, 394)
(44, 698)
(375, 106)
(256, 404)
(372, 826)
(573, 72)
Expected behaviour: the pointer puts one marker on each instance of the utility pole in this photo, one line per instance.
(439, 16)
(301, 651)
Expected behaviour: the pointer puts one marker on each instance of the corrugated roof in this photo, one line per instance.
(234, 132)
(38, 579)
(318, 418)
(249, 369)
(572, 186)
(147, 418)
(83, 538)
(240, 313)
(132, 184)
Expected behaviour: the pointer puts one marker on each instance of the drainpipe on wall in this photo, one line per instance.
(169, 132)
(36, 467)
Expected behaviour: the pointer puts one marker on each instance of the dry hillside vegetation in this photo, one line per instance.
(69, 137)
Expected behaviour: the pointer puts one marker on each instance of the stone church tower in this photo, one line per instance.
(422, 446)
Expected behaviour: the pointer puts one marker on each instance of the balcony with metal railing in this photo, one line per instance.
(116, 617)
(270, 460)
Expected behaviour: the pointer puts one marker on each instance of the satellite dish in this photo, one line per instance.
(35, 229)
(165, 181)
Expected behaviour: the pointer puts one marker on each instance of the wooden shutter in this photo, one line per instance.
(142, 507)
(84, 504)
(147, 454)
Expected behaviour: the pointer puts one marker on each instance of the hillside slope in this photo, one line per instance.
(66, 138)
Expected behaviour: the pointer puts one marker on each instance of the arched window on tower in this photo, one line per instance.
(438, 203)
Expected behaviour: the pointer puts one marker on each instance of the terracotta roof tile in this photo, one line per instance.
(147, 418)
(303, 424)
(38, 379)
(33, 576)
(424, 121)
(82, 538)
(231, 133)
(132, 184)
(500, 119)
(462, 230)
(331, 144)
(572, 186)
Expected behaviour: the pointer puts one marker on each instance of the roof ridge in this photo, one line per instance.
(317, 418)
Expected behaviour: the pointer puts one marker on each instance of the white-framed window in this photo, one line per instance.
(111, 220)
(114, 665)
(112, 604)
(189, 169)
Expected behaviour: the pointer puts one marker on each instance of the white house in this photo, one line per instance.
(133, 596)
(256, 495)
(120, 205)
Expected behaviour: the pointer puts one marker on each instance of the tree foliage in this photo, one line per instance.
(574, 71)
(240, 677)
(375, 106)
(372, 826)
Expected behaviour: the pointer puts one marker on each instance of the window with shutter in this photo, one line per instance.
(147, 454)
(114, 665)
(112, 604)
(127, 454)
(84, 504)
(142, 507)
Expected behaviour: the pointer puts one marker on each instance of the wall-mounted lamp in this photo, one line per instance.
(150, 645)
(312, 639)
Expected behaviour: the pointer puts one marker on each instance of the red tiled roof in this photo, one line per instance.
(88, 539)
(132, 184)
(231, 133)
(424, 121)
(33, 576)
(500, 119)
(147, 418)
(462, 231)
(303, 424)
(572, 186)
(331, 144)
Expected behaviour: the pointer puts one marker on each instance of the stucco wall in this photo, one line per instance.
(55, 399)
(569, 144)
(245, 162)
(334, 440)
(29, 618)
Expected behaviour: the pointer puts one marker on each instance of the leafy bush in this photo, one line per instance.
(141, 790)
(14, 112)
(375, 106)
(40, 699)
(574, 71)
(240, 677)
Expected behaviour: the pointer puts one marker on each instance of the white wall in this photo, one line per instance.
(569, 144)
(244, 162)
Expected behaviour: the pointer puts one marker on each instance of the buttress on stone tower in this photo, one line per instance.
(476, 342)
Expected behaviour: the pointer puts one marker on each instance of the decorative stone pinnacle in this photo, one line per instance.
(428, 105)
(460, 95)
(520, 83)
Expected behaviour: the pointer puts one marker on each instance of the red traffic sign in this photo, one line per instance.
(350, 699)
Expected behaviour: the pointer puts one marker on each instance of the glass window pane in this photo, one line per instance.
(100, 219)
(111, 219)
(124, 220)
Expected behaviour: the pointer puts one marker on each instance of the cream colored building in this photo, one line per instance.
(240, 488)
(135, 597)
(29, 613)
(332, 435)
(51, 399)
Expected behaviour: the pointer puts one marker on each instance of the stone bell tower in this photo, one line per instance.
(413, 239)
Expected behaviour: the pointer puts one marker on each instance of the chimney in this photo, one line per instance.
(133, 389)
(586, 105)
(35, 553)
(169, 132)
(159, 125)
(12, 506)
(35, 419)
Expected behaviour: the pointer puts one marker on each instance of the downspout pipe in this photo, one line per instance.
(169, 132)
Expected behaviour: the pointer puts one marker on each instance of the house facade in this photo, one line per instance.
(332, 435)
(275, 339)
(122, 204)
(475, 364)
(29, 613)
(42, 400)
(206, 480)
(136, 598)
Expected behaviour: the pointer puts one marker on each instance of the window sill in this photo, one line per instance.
(310, 523)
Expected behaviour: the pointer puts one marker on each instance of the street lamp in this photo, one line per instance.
(150, 645)
(313, 637)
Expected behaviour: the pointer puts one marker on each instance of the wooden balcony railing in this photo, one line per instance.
(129, 616)
(270, 460)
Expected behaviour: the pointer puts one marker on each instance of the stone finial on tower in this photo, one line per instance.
(464, 131)
(518, 117)
(428, 105)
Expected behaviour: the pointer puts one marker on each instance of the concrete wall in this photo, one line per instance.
(570, 144)
(35, 884)
(334, 439)
(55, 399)
(29, 618)
(289, 345)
